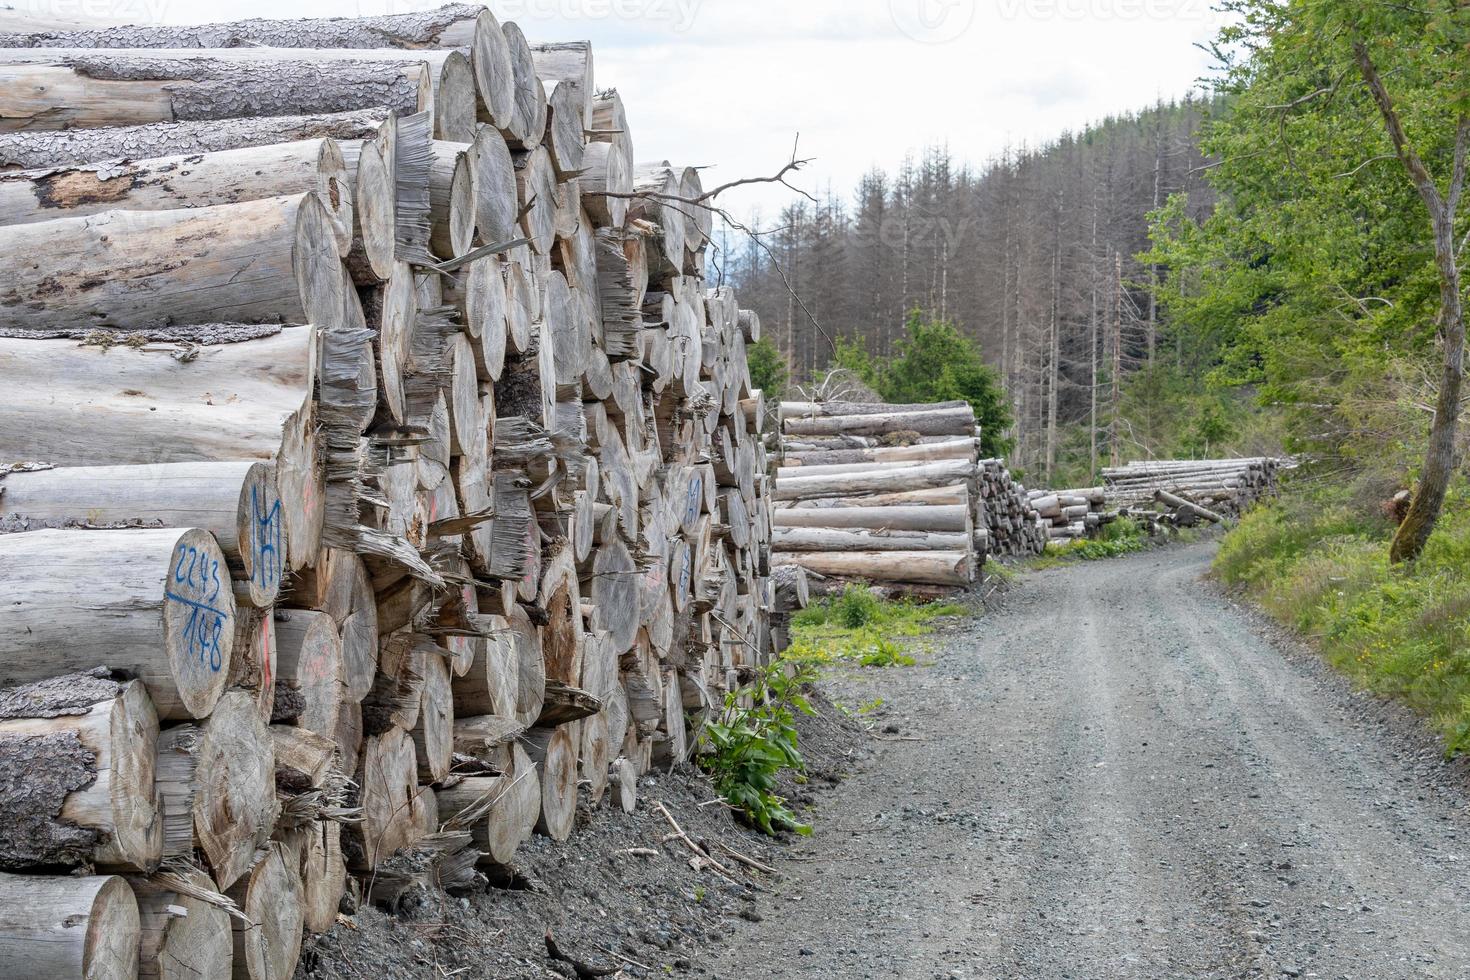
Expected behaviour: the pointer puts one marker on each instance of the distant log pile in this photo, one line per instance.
(1188, 491)
(380, 476)
(1071, 514)
(892, 494)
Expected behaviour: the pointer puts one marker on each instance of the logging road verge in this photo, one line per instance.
(1122, 773)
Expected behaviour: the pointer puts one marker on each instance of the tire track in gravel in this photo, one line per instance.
(1123, 774)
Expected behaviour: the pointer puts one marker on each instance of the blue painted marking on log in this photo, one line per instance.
(203, 630)
(267, 548)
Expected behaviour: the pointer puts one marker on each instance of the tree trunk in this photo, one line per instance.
(433, 736)
(940, 422)
(901, 478)
(832, 539)
(954, 494)
(452, 199)
(69, 927)
(338, 584)
(536, 196)
(69, 89)
(236, 502)
(963, 448)
(77, 755)
(450, 26)
(323, 872)
(527, 123)
(163, 611)
(951, 518)
(310, 675)
(268, 261)
(183, 938)
(199, 180)
(217, 782)
(606, 174)
(393, 809)
(492, 684)
(267, 943)
(79, 147)
(496, 206)
(916, 567)
(554, 751)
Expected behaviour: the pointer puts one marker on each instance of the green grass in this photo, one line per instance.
(1121, 537)
(1318, 562)
(859, 628)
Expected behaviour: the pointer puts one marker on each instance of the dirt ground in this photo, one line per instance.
(1117, 773)
(631, 914)
(1124, 774)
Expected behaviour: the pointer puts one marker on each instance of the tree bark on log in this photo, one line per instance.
(901, 478)
(79, 147)
(68, 89)
(1188, 506)
(963, 448)
(835, 539)
(940, 422)
(795, 409)
(449, 26)
(69, 927)
(77, 756)
(955, 494)
(917, 567)
(236, 502)
(869, 466)
(163, 610)
(951, 518)
(198, 180)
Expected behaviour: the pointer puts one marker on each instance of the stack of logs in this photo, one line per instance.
(890, 494)
(1071, 514)
(382, 476)
(1192, 490)
(1016, 529)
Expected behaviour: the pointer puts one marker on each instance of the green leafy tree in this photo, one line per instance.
(768, 369)
(1333, 249)
(935, 362)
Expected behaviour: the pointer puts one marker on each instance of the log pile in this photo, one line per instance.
(1218, 487)
(380, 476)
(892, 494)
(1016, 529)
(1071, 514)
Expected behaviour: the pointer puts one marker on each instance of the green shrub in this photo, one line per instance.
(1317, 561)
(753, 741)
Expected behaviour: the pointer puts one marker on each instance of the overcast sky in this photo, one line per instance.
(729, 83)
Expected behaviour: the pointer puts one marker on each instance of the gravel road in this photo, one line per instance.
(1121, 773)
